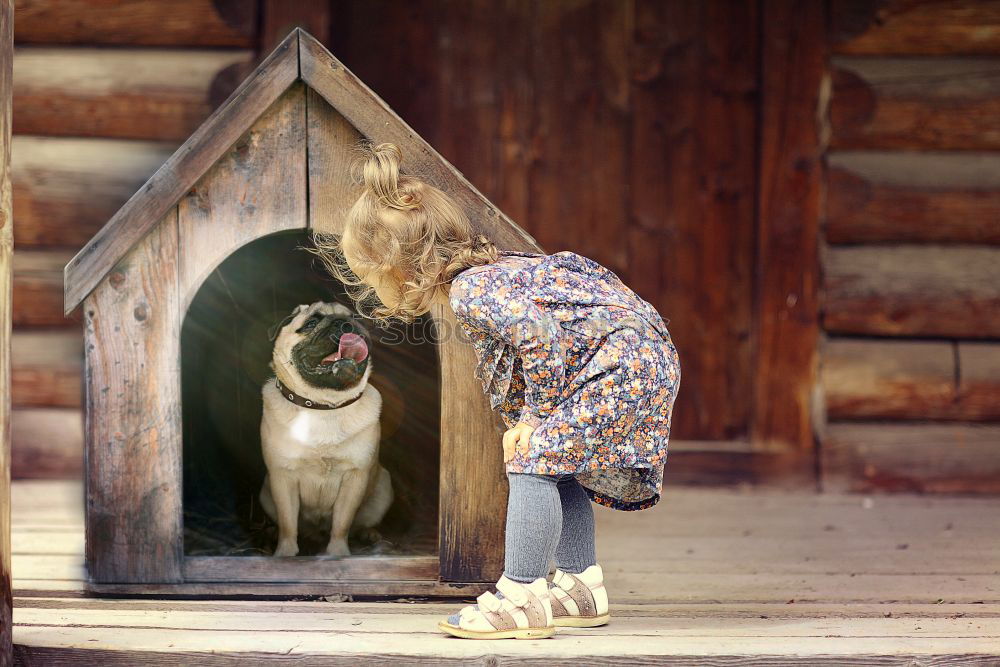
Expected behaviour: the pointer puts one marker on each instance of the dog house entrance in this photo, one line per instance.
(226, 346)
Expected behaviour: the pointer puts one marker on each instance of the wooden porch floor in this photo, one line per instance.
(709, 577)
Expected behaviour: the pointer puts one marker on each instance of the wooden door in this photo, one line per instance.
(674, 142)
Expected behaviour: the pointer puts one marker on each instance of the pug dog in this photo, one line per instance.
(320, 430)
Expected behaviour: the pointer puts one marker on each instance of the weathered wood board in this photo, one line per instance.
(133, 427)
(768, 577)
(690, 197)
(257, 188)
(471, 536)
(785, 333)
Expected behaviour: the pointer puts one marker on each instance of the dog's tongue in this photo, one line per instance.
(352, 346)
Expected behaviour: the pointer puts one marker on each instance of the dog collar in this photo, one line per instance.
(307, 403)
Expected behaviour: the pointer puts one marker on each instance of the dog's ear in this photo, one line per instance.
(272, 333)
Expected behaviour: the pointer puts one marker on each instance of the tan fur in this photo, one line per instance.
(322, 464)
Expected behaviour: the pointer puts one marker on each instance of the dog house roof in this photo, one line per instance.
(300, 56)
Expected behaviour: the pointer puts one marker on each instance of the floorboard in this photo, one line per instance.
(708, 577)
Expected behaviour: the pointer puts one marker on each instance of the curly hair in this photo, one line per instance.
(402, 232)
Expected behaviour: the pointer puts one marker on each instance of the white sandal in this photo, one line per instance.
(579, 600)
(516, 611)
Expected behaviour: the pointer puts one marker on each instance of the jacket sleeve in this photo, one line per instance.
(503, 304)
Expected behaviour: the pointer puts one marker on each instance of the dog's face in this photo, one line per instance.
(326, 345)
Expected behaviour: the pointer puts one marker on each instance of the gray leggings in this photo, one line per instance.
(547, 516)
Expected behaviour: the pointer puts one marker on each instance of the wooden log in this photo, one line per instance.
(38, 289)
(6, 321)
(979, 379)
(46, 368)
(924, 27)
(893, 379)
(786, 323)
(881, 197)
(65, 189)
(136, 22)
(913, 291)
(691, 197)
(931, 458)
(175, 177)
(258, 187)
(47, 443)
(877, 378)
(910, 103)
(122, 93)
(133, 407)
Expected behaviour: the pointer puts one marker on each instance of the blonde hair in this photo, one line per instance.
(403, 230)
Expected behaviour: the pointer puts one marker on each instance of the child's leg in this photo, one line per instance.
(575, 551)
(534, 523)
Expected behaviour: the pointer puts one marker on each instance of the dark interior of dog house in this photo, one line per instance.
(226, 346)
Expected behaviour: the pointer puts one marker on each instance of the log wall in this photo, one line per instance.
(911, 294)
(103, 94)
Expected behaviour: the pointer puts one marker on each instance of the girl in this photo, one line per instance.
(581, 369)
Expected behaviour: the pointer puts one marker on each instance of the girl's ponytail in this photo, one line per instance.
(380, 174)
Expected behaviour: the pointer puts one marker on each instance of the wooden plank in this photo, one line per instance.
(121, 93)
(47, 443)
(397, 608)
(692, 189)
(265, 569)
(913, 290)
(786, 322)
(912, 103)
(979, 379)
(345, 618)
(927, 458)
(6, 322)
(331, 149)
(278, 18)
(372, 117)
(905, 27)
(38, 287)
(136, 22)
(65, 189)
(208, 143)
(885, 197)
(133, 428)
(46, 368)
(579, 58)
(471, 533)
(765, 643)
(878, 378)
(258, 187)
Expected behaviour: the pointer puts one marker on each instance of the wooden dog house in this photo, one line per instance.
(185, 262)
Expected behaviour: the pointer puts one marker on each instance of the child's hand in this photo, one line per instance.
(516, 440)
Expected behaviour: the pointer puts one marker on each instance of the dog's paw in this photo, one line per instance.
(338, 548)
(286, 550)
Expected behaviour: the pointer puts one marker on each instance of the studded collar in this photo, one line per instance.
(304, 402)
